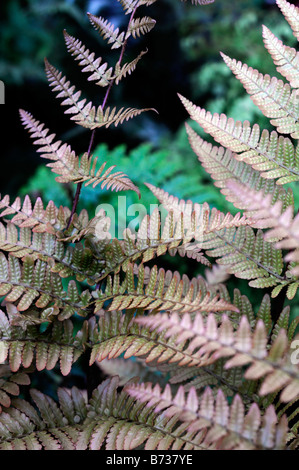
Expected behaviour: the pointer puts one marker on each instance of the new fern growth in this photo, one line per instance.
(188, 364)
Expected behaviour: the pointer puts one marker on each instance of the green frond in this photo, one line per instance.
(99, 71)
(157, 293)
(271, 154)
(221, 426)
(21, 345)
(209, 340)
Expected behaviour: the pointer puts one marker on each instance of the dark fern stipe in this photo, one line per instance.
(187, 364)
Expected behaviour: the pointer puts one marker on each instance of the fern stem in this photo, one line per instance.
(79, 185)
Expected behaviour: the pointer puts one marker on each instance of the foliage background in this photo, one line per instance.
(183, 56)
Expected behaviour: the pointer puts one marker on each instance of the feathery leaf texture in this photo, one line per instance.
(67, 164)
(35, 216)
(273, 97)
(291, 14)
(284, 226)
(208, 342)
(220, 425)
(22, 344)
(152, 239)
(112, 420)
(76, 260)
(164, 291)
(233, 242)
(99, 71)
(272, 154)
(223, 166)
(29, 282)
(87, 115)
(285, 58)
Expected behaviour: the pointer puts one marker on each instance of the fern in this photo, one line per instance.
(218, 425)
(191, 364)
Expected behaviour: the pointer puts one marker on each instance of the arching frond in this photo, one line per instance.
(67, 164)
(272, 154)
(285, 58)
(272, 96)
(233, 242)
(120, 72)
(222, 426)
(208, 342)
(155, 293)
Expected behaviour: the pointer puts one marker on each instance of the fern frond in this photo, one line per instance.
(22, 346)
(130, 5)
(291, 14)
(44, 425)
(176, 295)
(67, 165)
(128, 68)
(36, 217)
(271, 154)
(208, 342)
(9, 385)
(31, 282)
(86, 115)
(273, 97)
(223, 166)
(67, 261)
(111, 420)
(226, 427)
(98, 70)
(140, 26)
(284, 226)
(233, 242)
(152, 239)
(107, 31)
(285, 58)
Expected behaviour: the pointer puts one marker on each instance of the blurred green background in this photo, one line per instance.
(183, 56)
